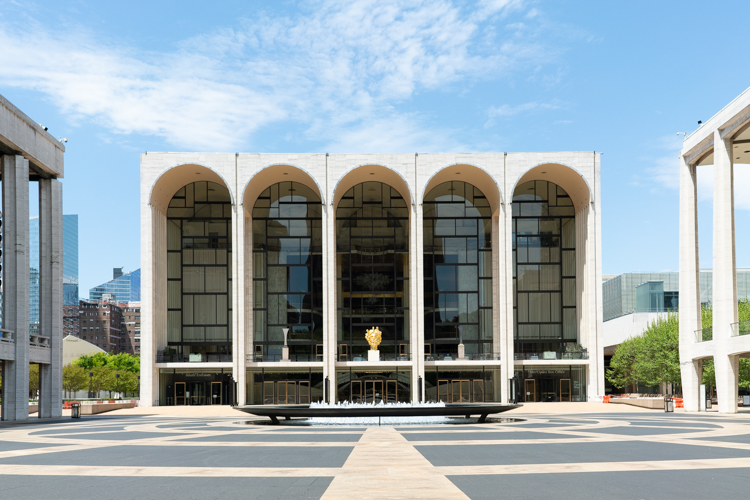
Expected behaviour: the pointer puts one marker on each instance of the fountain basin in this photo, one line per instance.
(306, 411)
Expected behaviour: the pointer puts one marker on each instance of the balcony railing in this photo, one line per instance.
(551, 355)
(194, 358)
(453, 356)
(39, 341)
(271, 358)
(384, 356)
(6, 336)
(704, 335)
(741, 328)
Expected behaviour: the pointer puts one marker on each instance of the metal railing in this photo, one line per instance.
(201, 358)
(384, 356)
(741, 328)
(704, 335)
(550, 355)
(453, 356)
(7, 336)
(271, 358)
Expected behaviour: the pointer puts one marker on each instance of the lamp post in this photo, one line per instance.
(91, 382)
(285, 349)
(117, 387)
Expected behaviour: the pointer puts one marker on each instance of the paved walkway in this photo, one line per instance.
(623, 453)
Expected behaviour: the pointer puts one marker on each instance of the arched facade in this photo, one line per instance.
(328, 246)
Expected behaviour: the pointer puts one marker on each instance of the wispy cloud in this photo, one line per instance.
(336, 68)
(507, 110)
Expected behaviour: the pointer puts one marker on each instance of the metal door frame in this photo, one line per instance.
(184, 393)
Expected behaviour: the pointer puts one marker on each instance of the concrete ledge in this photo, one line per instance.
(93, 409)
(653, 404)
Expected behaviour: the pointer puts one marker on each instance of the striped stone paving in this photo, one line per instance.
(606, 455)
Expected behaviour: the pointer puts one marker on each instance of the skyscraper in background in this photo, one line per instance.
(70, 265)
(121, 289)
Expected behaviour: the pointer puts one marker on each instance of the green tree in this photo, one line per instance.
(33, 380)
(74, 378)
(622, 373)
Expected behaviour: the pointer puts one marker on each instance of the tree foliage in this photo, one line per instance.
(104, 369)
(121, 362)
(74, 378)
(652, 358)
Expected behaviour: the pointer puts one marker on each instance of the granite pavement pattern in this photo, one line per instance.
(591, 455)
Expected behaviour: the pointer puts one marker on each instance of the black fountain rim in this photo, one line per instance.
(450, 409)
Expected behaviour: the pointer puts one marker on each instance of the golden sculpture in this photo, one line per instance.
(373, 337)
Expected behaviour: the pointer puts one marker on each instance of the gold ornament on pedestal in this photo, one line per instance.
(373, 337)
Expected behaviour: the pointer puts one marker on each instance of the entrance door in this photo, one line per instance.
(356, 396)
(478, 389)
(529, 387)
(196, 393)
(464, 391)
(565, 389)
(268, 393)
(216, 393)
(373, 391)
(304, 393)
(391, 387)
(549, 389)
(444, 391)
(179, 393)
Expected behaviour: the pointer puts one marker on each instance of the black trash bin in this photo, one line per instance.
(668, 404)
(75, 410)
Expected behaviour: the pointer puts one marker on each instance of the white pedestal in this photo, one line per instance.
(461, 352)
(373, 356)
(285, 353)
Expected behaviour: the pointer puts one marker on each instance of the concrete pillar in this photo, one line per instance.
(240, 295)
(330, 320)
(416, 306)
(16, 284)
(50, 294)
(724, 275)
(690, 312)
(502, 296)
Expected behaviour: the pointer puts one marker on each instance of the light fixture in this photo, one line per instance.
(458, 173)
(372, 173)
(544, 172)
(286, 173)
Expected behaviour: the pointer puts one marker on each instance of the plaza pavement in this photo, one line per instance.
(568, 451)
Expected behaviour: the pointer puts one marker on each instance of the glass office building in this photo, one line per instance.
(126, 288)
(70, 265)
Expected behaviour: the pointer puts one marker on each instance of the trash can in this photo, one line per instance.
(75, 410)
(668, 405)
(708, 403)
(745, 400)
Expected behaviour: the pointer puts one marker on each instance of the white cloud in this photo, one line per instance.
(335, 67)
(507, 110)
(665, 171)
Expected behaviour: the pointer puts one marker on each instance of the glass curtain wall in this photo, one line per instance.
(199, 274)
(288, 273)
(372, 271)
(457, 271)
(544, 271)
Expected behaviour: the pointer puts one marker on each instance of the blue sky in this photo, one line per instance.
(118, 79)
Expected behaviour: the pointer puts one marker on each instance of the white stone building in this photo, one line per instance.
(722, 142)
(475, 267)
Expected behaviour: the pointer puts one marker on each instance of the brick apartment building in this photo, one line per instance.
(113, 327)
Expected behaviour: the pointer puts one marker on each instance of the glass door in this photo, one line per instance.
(465, 388)
(391, 386)
(179, 392)
(197, 393)
(356, 396)
(529, 386)
(565, 389)
(304, 393)
(444, 391)
(268, 387)
(478, 387)
(216, 393)
(373, 391)
(549, 389)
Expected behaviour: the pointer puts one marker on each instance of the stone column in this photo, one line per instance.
(724, 276)
(50, 294)
(690, 313)
(15, 186)
(502, 296)
(416, 310)
(240, 279)
(330, 344)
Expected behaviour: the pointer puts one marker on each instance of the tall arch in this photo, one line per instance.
(568, 178)
(179, 176)
(470, 174)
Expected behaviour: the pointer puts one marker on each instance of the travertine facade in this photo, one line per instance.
(414, 372)
(721, 142)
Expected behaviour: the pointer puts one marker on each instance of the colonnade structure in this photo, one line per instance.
(722, 141)
(29, 153)
(262, 272)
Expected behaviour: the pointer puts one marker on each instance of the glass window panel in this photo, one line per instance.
(485, 293)
(445, 278)
(549, 277)
(221, 310)
(216, 279)
(187, 309)
(467, 278)
(568, 233)
(193, 280)
(174, 235)
(486, 324)
(523, 307)
(528, 277)
(555, 308)
(569, 292)
(569, 263)
(174, 326)
(174, 265)
(277, 279)
(570, 324)
(445, 227)
(204, 309)
(485, 264)
(174, 293)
